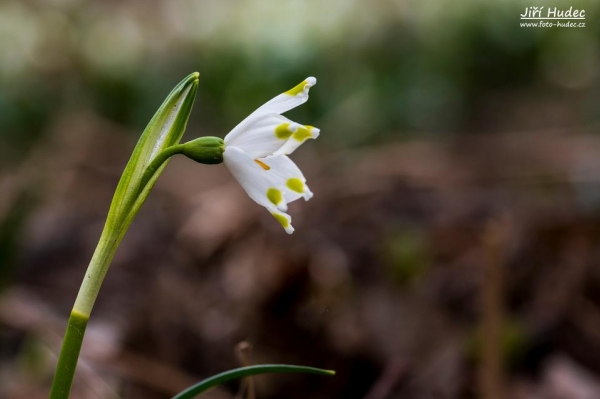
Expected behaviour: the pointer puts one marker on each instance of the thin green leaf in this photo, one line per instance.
(164, 130)
(218, 379)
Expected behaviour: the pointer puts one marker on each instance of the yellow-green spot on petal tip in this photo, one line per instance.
(282, 220)
(297, 89)
(283, 131)
(302, 133)
(274, 195)
(295, 184)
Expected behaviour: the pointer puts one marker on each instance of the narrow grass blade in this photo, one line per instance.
(218, 379)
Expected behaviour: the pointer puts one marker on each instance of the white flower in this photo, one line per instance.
(256, 153)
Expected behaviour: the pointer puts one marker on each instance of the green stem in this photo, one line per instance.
(157, 162)
(69, 353)
(94, 276)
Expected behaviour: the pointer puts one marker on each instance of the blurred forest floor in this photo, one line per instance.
(449, 268)
(451, 250)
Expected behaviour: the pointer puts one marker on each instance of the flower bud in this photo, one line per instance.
(206, 150)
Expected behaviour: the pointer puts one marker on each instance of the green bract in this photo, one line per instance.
(164, 130)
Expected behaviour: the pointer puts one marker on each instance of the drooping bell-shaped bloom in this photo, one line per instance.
(257, 149)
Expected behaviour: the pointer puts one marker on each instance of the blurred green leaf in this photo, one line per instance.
(407, 255)
(514, 342)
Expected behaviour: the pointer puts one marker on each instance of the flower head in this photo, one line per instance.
(257, 149)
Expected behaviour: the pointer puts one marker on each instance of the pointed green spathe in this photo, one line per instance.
(164, 130)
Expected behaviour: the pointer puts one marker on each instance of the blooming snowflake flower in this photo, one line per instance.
(256, 153)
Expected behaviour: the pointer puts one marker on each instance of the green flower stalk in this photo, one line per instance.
(157, 144)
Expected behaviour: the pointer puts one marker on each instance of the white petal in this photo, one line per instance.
(272, 182)
(262, 135)
(292, 98)
(261, 125)
(288, 177)
(254, 178)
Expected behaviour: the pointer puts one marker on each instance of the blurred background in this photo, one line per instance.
(452, 249)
